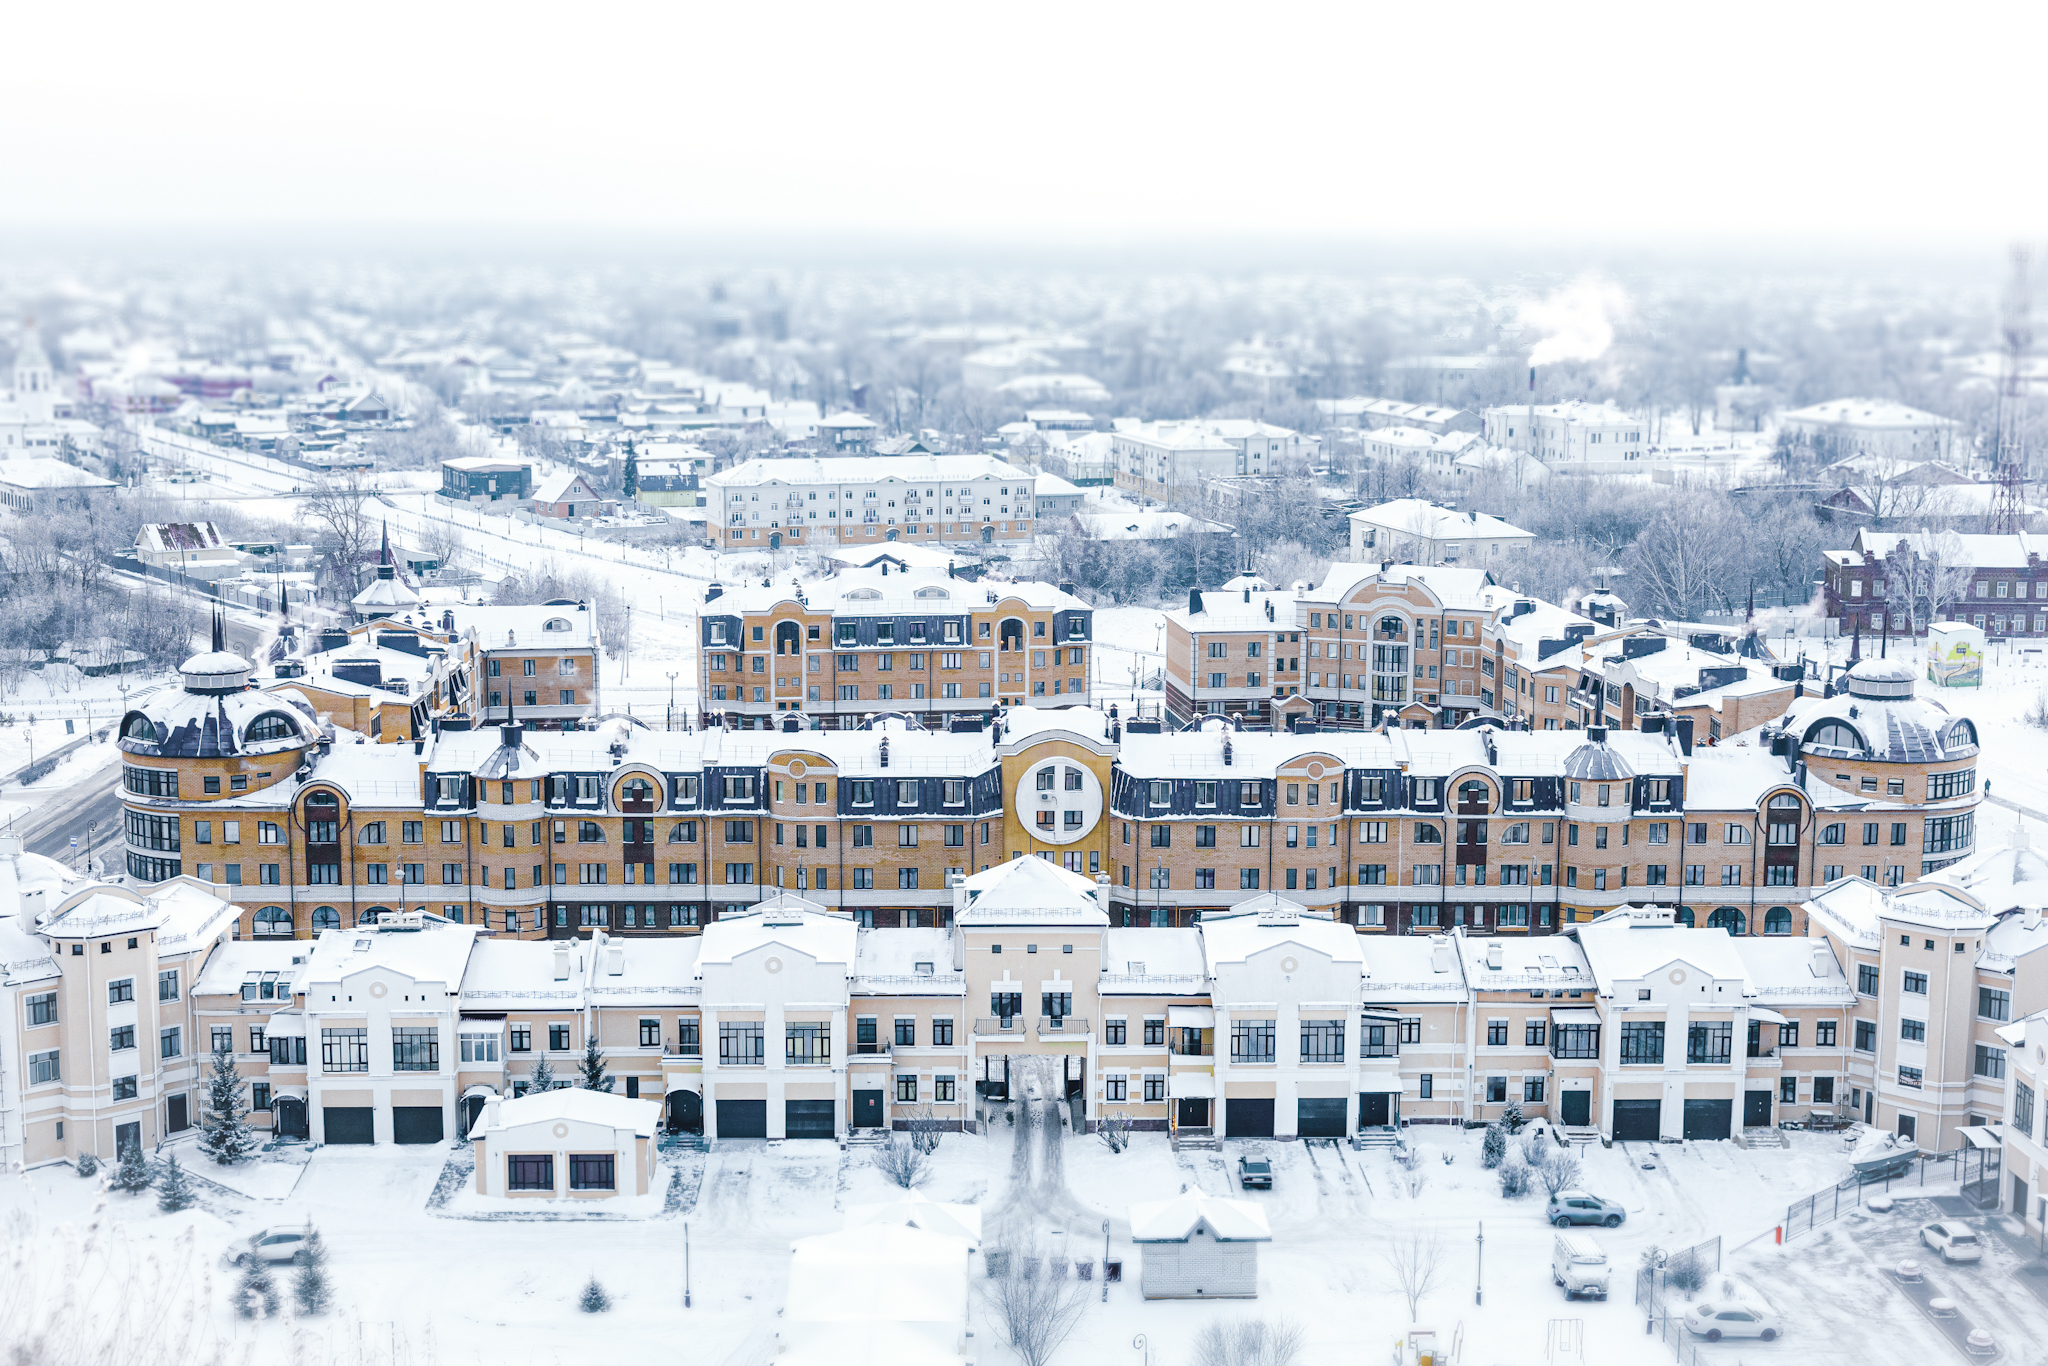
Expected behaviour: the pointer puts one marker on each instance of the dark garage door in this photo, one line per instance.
(1319, 1118)
(349, 1124)
(807, 1118)
(416, 1124)
(1248, 1118)
(1638, 1119)
(743, 1119)
(1708, 1118)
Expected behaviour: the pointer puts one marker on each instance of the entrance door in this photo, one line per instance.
(1372, 1109)
(174, 1115)
(466, 1114)
(686, 1112)
(1869, 1106)
(807, 1119)
(1638, 1120)
(349, 1124)
(416, 1124)
(743, 1119)
(128, 1136)
(2019, 1196)
(1192, 1113)
(290, 1113)
(1319, 1118)
(1248, 1118)
(1756, 1109)
(867, 1109)
(775, 540)
(1577, 1111)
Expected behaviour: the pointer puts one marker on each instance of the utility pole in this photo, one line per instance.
(2008, 502)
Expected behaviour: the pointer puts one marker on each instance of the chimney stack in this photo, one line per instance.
(561, 962)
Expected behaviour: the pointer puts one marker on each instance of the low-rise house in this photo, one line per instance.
(39, 483)
(568, 1143)
(1420, 532)
(486, 479)
(566, 494)
(189, 547)
(1199, 1247)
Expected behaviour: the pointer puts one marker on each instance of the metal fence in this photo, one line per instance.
(1652, 1283)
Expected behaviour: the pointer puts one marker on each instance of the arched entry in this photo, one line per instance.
(289, 1114)
(1010, 634)
(685, 1112)
(1727, 918)
(891, 535)
(373, 915)
(988, 534)
(789, 638)
(468, 1109)
(1683, 916)
(775, 540)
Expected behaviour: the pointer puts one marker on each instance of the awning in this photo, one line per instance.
(1379, 1086)
(278, 1093)
(1192, 1086)
(1191, 1017)
(686, 1081)
(1987, 1137)
(1574, 1015)
(479, 1090)
(286, 1025)
(1767, 1016)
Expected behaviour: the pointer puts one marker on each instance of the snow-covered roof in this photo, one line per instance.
(1792, 970)
(43, 472)
(561, 485)
(907, 962)
(1401, 969)
(574, 1103)
(1878, 708)
(514, 974)
(537, 627)
(235, 961)
(1031, 891)
(1154, 962)
(1453, 586)
(645, 972)
(1868, 414)
(868, 469)
(825, 937)
(1420, 518)
(1518, 963)
(915, 1209)
(183, 913)
(1237, 609)
(922, 591)
(1175, 1220)
(1268, 921)
(436, 952)
(1632, 943)
(24, 957)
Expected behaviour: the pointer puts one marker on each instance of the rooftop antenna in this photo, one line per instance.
(2008, 502)
(220, 643)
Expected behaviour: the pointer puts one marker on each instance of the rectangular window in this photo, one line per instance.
(169, 1043)
(1710, 1041)
(1993, 1004)
(2023, 1108)
(558, 1038)
(1990, 1062)
(43, 1067)
(1322, 1041)
(1866, 979)
(1824, 1034)
(592, 1172)
(906, 1086)
(741, 1043)
(807, 1043)
(530, 1172)
(1250, 1040)
(42, 1009)
(344, 1050)
(1866, 1036)
(1909, 1077)
(415, 1050)
(1642, 1042)
(1913, 1031)
(1914, 983)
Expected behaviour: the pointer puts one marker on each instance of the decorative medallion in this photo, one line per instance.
(1678, 977)
(773, 965)
(1288, 965)
(378, 989)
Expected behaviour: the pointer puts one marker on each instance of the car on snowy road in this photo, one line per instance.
(1732, 1320)
(1254, 1172)
(278, 1246)
(1577, 1207)
(1954, 1242)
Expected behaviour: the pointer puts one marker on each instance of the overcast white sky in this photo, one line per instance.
(1098, 122)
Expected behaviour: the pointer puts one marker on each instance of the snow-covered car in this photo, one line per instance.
(1954, 1242)
(1577, 1207)
(1732, 1319)
(1254, 1172)
(278, 1246)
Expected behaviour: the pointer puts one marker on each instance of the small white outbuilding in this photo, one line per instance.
(877, 1295)
(914, 1209)
(567, 1143)
(1199, 1247)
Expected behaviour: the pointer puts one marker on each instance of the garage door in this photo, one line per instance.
(807, 1118)
(1319, 1118)
(349, 1124)
(1248, 1118)
(1708, 1118)
(416, 1124)
(743, 1119)
(1638, 1119)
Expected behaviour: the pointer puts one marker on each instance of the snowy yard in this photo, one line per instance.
(446, 1285)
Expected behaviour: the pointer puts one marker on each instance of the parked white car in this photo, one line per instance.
(278, 1246)
(1954, 1242)
(1732, 1319)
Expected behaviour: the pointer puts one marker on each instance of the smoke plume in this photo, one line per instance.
(1577, 322)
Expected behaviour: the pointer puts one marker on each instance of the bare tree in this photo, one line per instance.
(903, 1163)
(1560, 1173)
(926, 1128)
(1682, 560)
(1035, 1304)
(1415, 1262)
(442, 542)
(338, 509)
(1114, 1129)
(1249, 1342)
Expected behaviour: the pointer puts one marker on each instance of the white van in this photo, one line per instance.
(1578, 1264)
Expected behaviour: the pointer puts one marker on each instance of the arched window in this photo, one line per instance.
(1473, 794)
(1778, 920)
(1010, 634)
(1683, 917)
(1784, 801)
(933, 593)
(373, 915)
(555, 624)
(270, 726)
(1835, 735)
(139, 728)
(1392, 626)
(274, 921)
(1960, 736)
(1727, 918)
(326, 918)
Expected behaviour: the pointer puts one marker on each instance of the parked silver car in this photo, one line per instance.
(278, 1246)
(1577, 1207)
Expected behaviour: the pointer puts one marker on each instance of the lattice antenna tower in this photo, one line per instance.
(2008, 503)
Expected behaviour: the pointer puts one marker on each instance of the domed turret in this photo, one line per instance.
(1881, 679)
(219, 670)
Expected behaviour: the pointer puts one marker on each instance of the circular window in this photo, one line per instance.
(1060, 801)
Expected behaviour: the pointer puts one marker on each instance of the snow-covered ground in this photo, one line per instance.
(450, 1286)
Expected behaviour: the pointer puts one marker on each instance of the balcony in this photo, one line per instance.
(1379, 1050)
(1002, 1024)
(1062, 1026)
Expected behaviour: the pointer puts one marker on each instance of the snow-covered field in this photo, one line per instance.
(446, 1285)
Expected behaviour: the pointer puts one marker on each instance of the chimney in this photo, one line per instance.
(489, 1118)
(1596, 735)
(1067, 587)
(1682, 727)
(713, 590)
(615, 961)
(1493, 953)
(1247, 595)
(561, 962)
(1823, 959)
(1439, 953)
(1194, 601)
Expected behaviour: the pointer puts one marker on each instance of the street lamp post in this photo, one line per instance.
(1479, 1279)
(1105, 1261)
(671, 702)
(686, 1264)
